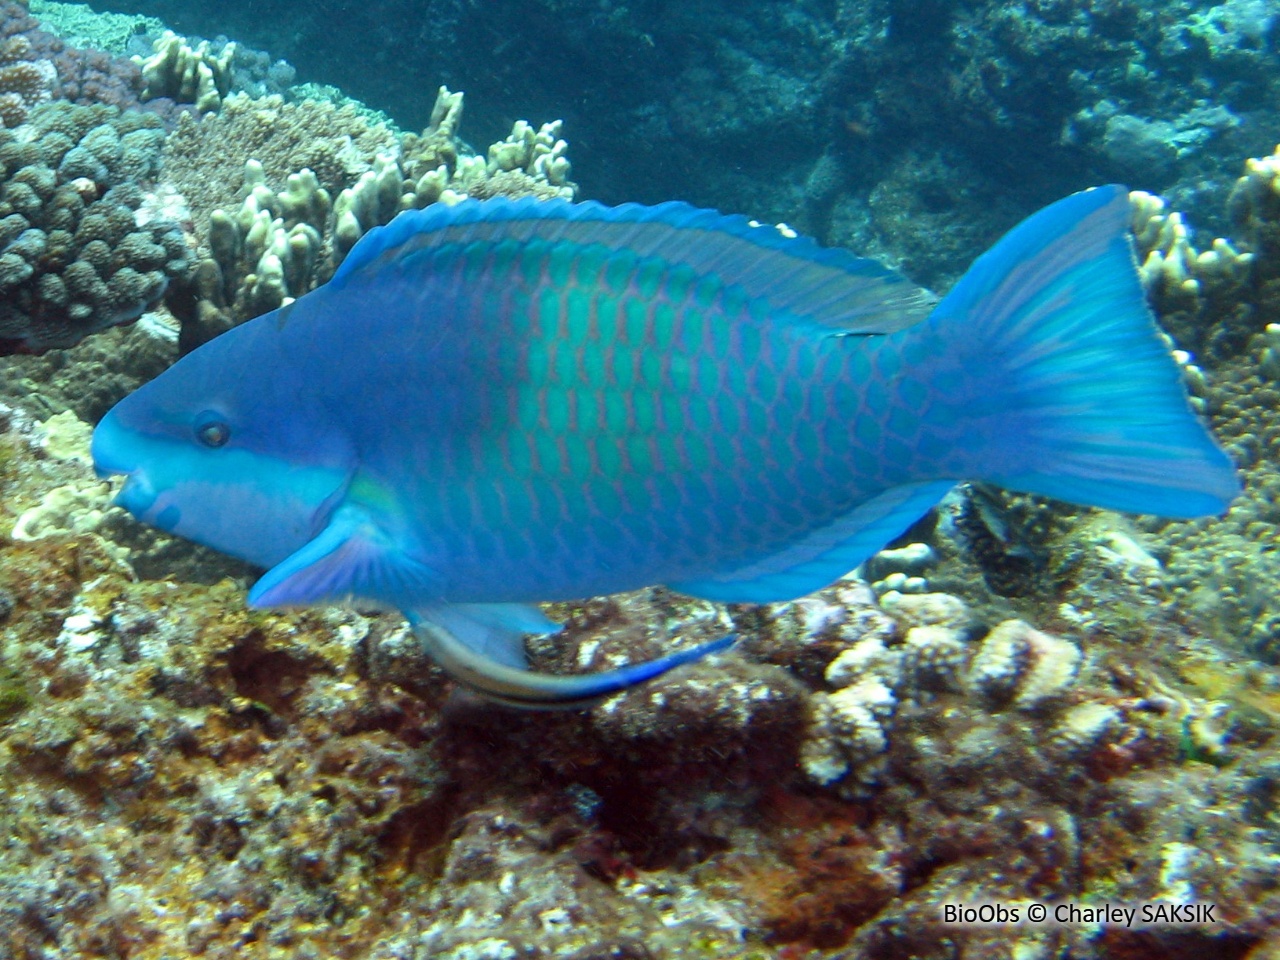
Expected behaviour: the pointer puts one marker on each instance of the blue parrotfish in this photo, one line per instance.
(500, 403)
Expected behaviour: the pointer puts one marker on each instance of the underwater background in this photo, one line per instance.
(1019, 702)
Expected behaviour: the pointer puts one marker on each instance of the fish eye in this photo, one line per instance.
(211, 431)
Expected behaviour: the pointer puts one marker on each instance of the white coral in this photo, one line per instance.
(848, 732)
(67, 511)
(1170, 262)
(1018, 664)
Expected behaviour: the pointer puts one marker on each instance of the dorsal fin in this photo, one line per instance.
(828, 287)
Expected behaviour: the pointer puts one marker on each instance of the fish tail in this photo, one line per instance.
(1076, 394)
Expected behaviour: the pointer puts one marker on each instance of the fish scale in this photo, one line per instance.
(507, 402)
(714, 506)
(584, 403)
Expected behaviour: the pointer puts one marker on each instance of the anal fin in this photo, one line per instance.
(824, 556)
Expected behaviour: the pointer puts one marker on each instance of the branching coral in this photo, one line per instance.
(185, 73)
(205, 157)
(1171, 265)
(284, 236)
(276, 236)
(430, 168)
(1254, 205)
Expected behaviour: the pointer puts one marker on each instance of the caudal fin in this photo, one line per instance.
(1082, 401)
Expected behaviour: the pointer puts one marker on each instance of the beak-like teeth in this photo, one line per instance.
(137, 495)
(110, 448)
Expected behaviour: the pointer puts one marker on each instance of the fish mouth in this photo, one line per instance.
(109, 449)
(137, 495)
(110, 441)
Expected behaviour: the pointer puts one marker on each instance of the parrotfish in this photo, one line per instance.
(499, 403)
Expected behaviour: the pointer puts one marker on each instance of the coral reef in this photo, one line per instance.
(1218, 303)
(79, 26)
(893, 128)
(39, 66)
(205, 157)
(1171, 267)
(1254, 206)
(900, 569)
(186, 775)
(75, 259)
(269, 249)
(527, 163)
(315, 177)
(92, 76)
(102, 370)
(1018, 700)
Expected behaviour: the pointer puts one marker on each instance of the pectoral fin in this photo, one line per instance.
(481, 646)
(351, 557)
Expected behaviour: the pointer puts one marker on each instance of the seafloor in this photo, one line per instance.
(1019, 703)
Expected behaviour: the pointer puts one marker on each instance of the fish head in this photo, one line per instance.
(229, 449)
